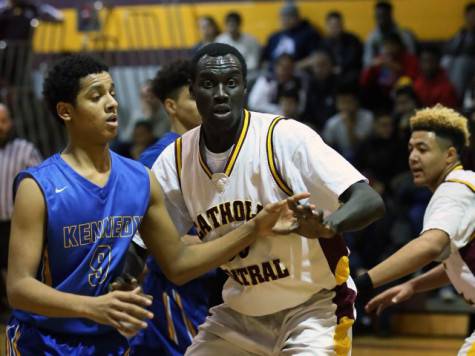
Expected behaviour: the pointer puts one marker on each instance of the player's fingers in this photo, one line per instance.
(135, 310)
(135, 297)
(300, 196)
(131, 281)
(124, 318)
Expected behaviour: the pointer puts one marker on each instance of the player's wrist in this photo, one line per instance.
(363, 282)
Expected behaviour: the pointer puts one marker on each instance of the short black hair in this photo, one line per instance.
(431, 49)
(234, 16)
(348, 88)
(217, 50)
(62, 81)
(170, 78)
(469, 7)
(384, 4)
(393, 38)
(334, 14)
(146, 124)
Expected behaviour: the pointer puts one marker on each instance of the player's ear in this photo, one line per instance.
(452, 155)
(170, 106)
(64, 110)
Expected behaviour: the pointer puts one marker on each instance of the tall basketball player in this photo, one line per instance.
(288, 295)
(74, 217)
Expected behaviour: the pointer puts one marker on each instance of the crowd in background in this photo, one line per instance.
(359, 95)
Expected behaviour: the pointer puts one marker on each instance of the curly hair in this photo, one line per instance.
(445, 122)
(62, 82)
(170, 79)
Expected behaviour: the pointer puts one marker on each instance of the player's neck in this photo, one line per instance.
(444, 175)
(87, 157)
(177, 127)
(218, 141)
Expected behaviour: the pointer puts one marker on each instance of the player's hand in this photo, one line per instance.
(310, 221)
(277, 217)
(392, 296)
(123, 310)
(124, 282)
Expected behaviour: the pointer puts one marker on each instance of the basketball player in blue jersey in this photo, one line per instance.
(74, 218)
(178, 310)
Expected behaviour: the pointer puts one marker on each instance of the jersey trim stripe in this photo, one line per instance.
(188, 324)
(237, 148)
(468, 184)
(168, 314)
(271, 158)
(235, 151)
(178, 159)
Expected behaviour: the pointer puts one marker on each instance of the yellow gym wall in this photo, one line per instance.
(174, 26)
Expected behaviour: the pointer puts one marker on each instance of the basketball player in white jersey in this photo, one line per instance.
(438, 136)
(289, 295)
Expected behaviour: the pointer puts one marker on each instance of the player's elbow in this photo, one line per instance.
(176, 276)
(377, 205)
(13, 294)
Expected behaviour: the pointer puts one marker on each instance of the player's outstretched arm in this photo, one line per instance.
(181, 262)
(408, 259)
(27, 293)
(361, 206)
(433, 279)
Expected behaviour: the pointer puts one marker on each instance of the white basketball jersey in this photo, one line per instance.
(452, 209)
(271, 159)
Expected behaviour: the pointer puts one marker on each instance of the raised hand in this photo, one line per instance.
(278, 217)
(123, 310)
(310, 220)
(392, 296)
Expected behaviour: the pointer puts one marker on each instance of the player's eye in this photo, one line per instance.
(207, 83)
(232, 83)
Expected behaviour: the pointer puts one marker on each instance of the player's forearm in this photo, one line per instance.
(33, 296)
(195, 260)
(362, 206)
(410, 258)
(433, 279)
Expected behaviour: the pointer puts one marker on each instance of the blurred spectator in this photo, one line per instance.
(385, 25)
(142, 137)
(345, 48)
(459, 54)
(208, 30)
(350, 126)
(405, 104)
(289, 103)
(246, 44)
(394, 62)
(15, 154)
(433, 86)
(150, 109)
(267, 90)
(297, 37)
(321, 94)
(383, 155)
(468, 102)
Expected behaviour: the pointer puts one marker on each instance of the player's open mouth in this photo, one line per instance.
(221, 110)
(112, 120)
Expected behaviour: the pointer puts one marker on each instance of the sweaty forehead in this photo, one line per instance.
(219, 63)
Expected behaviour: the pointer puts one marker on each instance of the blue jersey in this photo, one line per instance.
(88, 231)
(178, 310)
